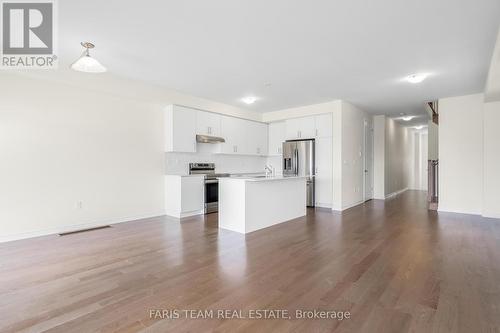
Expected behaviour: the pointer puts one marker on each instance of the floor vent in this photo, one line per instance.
(83, 230)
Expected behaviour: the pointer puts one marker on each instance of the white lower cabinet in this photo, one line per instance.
(184, 195)
(323, 178)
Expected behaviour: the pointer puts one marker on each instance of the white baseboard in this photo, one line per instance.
(180, 215)
(341, 209)
(457, 211)
(491, 215)
(68, 228)
(323, 205)
(353, 205)
(393, 194)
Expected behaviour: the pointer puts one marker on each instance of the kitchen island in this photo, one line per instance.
(248, 204)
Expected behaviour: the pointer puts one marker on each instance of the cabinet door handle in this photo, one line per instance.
(316, 132)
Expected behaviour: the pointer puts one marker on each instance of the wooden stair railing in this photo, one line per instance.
(435, 114)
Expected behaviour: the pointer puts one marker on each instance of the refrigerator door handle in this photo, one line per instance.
(296, 162)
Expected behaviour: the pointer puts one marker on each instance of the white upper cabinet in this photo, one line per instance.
(233, 130)
(319, 126)
(242, 137)
(180, 125)
(208, 123)
(323, 125)
(256, 138)
(276, 138)
(300, 128)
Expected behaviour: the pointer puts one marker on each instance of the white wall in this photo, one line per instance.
(392, 158)
(417, 177)
(461, 154)
(492, 89)
(397, 154)
(137, 90)
(61, 145)
(337, 158)
(303, 111)
(352, 154)
(433, 141)
(379, 157)
(491, 191)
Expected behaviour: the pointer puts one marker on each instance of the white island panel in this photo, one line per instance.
(250, 204)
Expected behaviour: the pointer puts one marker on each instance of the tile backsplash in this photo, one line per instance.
(178, 163)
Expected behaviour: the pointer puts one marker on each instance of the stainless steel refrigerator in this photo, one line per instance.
(298, 160)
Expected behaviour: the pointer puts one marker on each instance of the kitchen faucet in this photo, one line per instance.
(269, 169)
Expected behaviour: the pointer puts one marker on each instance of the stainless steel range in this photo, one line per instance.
(211, 184)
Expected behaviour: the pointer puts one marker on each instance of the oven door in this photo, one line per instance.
(211, 196)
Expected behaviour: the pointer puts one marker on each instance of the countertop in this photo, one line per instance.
(236, 175)
(260, 178)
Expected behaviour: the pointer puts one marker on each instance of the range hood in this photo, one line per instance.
(209, 139)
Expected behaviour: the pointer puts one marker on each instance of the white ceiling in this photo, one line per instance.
(308, 51)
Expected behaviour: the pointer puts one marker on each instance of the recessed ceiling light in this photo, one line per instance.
(249, 99)
(419, 127)
(407, 118)
(416, 78)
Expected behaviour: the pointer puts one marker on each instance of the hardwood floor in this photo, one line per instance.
(394, 266)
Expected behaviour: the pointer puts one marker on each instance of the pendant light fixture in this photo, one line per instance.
(86, 63)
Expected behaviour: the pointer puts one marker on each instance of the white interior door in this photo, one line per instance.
(368, 161)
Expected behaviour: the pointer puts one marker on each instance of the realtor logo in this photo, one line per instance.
(28, 34)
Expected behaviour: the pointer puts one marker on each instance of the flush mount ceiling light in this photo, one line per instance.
(86, 63)
(419, 127)
(407, 118)
(416, 78)
(249, 99)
